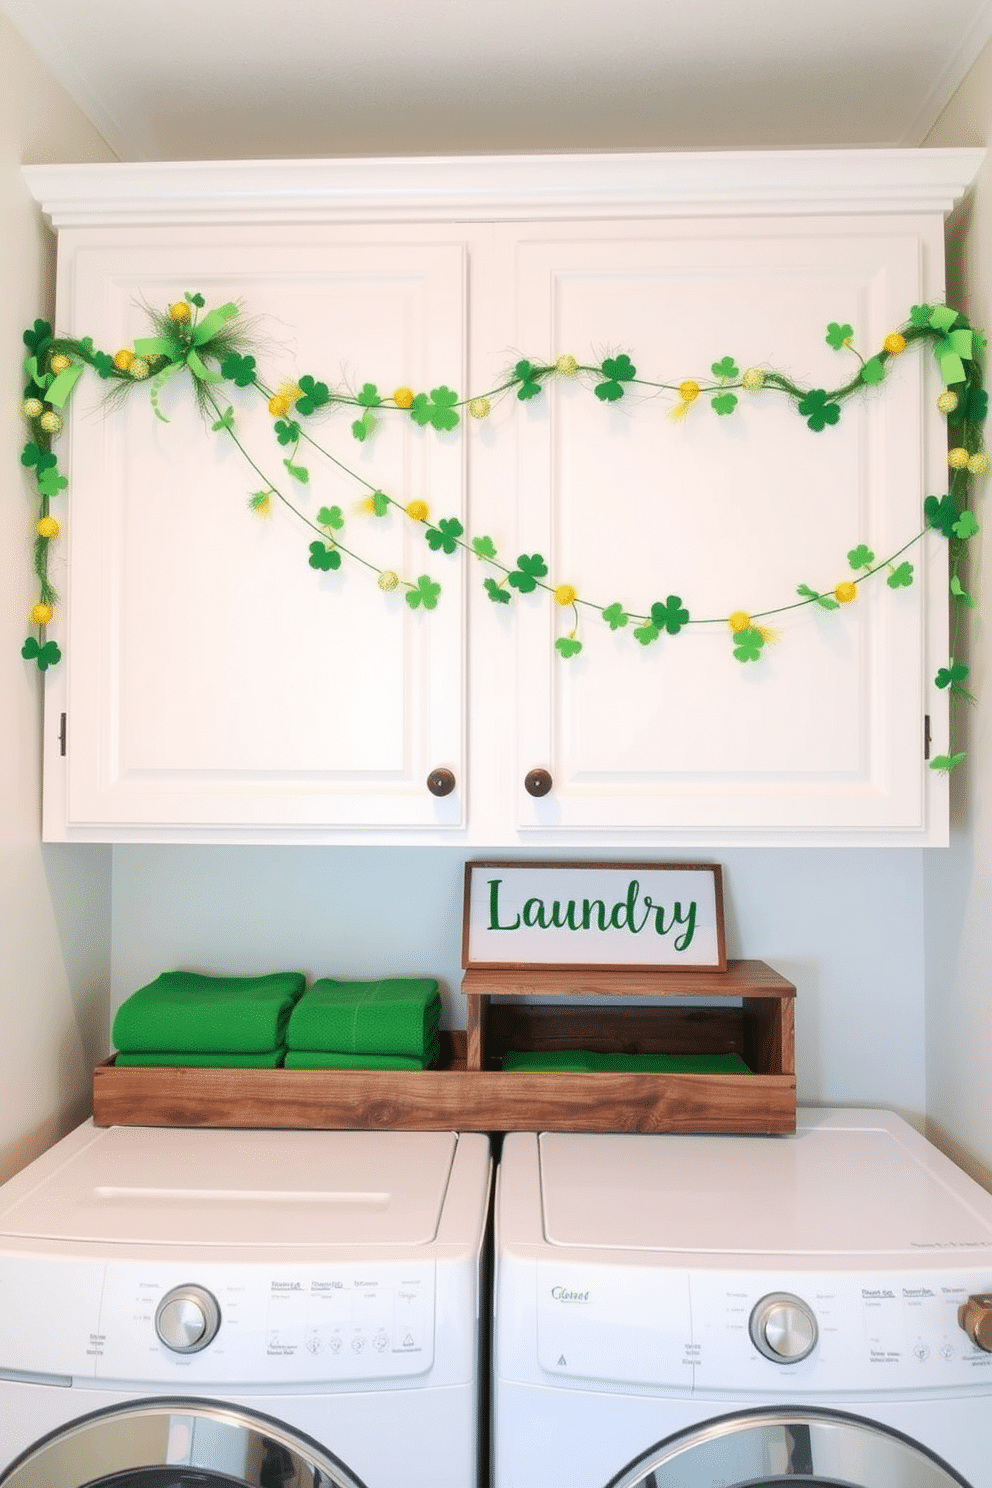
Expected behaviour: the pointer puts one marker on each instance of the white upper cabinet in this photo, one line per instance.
(218, 687)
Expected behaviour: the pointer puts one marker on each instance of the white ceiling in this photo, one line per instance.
(256, 79)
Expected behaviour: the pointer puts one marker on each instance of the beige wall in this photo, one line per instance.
(959, 882)
(54, 904)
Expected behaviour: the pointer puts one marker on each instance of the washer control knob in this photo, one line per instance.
(783, 1328)
(975, 1317)
(187, 1319)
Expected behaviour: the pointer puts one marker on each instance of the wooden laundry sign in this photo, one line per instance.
(642, 916)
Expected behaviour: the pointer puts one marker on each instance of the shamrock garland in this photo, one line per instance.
(214, 350)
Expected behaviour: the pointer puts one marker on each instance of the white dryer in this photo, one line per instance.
(272, 1309)
(742, 1312)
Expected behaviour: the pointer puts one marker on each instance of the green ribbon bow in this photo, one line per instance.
(200, 337)
(953, 347)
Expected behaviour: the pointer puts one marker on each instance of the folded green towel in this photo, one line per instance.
(399, 1015)
(200, 1014)
(328, 1060)
(271, 1059)
(587, 1062)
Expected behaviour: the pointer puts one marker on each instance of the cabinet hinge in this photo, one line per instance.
(62, 734)
(926, 736)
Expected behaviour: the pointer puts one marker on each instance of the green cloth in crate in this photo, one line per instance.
(199, 1014)
(586, 1061)
(162, 1058)
(328, 1060)
(397, 1015)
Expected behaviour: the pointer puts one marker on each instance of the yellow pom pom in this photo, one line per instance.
(50, 421)
(59, 362)
(739, 620)
(278, 405)
(565, 594)
(978, 464)
(123, 359)
(47, 527)
(388, 580)
(566, 366)
(403, 397)
(958, 458)
(689, 391)
(480, 408)
(43, 614)
(417, 511)
(180, 311)
(947, 402)
(753, 379)
(32, 407)
(845, 592)
(894, 343)
(139, 369)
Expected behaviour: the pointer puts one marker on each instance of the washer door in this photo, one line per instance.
(177, 1444)
(768, 1449)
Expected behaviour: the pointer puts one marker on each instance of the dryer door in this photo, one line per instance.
(769, 1449)
(177, 1444)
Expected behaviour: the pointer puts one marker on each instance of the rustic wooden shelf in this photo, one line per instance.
(469, 1092)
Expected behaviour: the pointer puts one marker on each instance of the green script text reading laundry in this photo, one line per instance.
(634, 913)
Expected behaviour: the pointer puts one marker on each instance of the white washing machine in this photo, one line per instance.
(273, 1309)
(742, 1312)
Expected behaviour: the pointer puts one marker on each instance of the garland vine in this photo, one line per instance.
(214, 348)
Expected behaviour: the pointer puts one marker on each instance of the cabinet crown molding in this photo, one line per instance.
(508, 187)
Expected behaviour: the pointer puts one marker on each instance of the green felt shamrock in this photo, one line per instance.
(287, 431)
(873, 371)
(941, 513)
(951, 676)
(380, 503)
(331, 516)
(41, 459)
(50, 483)
(646, 633)
(362, 427)
(861, 557)
(425, 592)
(369, 396)
(671, 615)
(444, 537)
(724, 403)
(919, 316)
(823, 600)
(46, 655)
(324, 558)
(817, 409)
(725, 367)
(484, 547)
(615, 616)
(616, 371)
(194, 299)
(838, 335)
(315, 395)
(526, 375)
(238, 369)
(748, 644)
(568, 646)
(103, 363)
(298, 472)
(966, 525)
(226, 421)
(527, 572)
(961, 594)
(37, 337)
(945, 763)
(901, 577)
(496, 592)
(438, 410)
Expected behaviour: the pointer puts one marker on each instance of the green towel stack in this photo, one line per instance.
(187, 1018)
(390, 1024)
(584, 1061)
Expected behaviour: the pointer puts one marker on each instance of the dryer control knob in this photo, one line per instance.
(783, 1328)
(975, 1317)
(187, 1319)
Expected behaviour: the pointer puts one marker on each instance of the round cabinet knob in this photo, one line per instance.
(441, 782)
(537, 782)
(187, 1319)
(975, 1317)
(783, 1328)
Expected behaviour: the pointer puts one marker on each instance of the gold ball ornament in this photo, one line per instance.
(32, 407)
(565, 594)
(47, 527)
(139, 369)
(947, 402)
(739, 620)
(278, 405)
(978, 464)
(123, 359)
(42, 614)
(403, 397)
(958, 458)
(566, 366)
(180, 312)
(753, 379)
(480, 408)
(688, 391)
(895, 343)
(417, 511)
(846, 592)
(59, 362)
(388, 580)
(50, 421)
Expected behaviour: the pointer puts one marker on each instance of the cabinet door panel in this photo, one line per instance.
(729, 513)
(215, 677)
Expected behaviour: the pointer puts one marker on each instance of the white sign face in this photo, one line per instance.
(594, 915)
